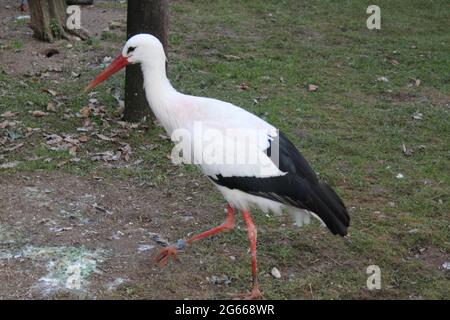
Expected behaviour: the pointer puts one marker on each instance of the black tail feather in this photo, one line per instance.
(334, 213)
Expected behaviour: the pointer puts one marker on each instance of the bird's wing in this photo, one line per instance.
(226, 140)
(232, 151)
(299, 187)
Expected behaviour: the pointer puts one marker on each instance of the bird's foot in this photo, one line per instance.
(255, 294)
(163, 257)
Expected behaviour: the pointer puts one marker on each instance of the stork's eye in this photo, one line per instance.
(131, 49)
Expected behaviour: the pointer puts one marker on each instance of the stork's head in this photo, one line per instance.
(141, 48)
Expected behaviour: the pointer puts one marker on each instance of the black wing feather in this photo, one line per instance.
(300, 187)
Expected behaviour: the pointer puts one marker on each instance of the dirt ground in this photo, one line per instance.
(59, 230)
(30, 60)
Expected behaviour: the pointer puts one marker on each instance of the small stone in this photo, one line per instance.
(417, 115)
(275, 273)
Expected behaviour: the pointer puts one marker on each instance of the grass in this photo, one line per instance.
(351, 130)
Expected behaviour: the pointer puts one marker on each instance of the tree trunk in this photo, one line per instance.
(48, 19)
(144, 16)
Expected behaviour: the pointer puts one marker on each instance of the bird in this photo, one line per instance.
(277, 179)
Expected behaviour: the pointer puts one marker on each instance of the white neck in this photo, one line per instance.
(158, 92)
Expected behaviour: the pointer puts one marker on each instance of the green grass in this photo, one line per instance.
(351, 130)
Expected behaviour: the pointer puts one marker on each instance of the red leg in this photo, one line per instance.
(252, 233)
(227, 225)
(163, 256)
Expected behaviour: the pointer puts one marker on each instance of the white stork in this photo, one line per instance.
(288, 184)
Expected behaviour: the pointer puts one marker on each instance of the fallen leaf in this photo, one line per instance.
(394, 62)
(71, 140)
(103, 137)
(126, 151)
(231, 57)
(7, 124)
(38, 113)
(382, 79)
(83, 138)
(51, 92)
(53, 139)
(85, 111)
(9, 114)
(51, 107)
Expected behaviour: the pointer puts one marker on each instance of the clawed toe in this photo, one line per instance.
(163, 257)
(255, 294)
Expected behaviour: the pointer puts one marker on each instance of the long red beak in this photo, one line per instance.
(115, 66)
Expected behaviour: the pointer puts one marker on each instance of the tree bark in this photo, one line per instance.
(144, 16)
(48, 19)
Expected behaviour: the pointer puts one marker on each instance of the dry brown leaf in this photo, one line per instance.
(126, 151)
(38, 113)
(53, 139)
(103, 137)
(9, 114)
(51, 92)
(231, 57)
(71, 140)
(85, 111)
(51, 107)
(83, 138)
(7, 124)
(394, 62)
